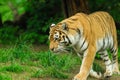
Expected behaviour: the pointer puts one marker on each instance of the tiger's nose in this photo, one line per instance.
(52, 49)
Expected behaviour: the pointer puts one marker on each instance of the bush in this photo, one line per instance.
(42, 15)
(8, 34)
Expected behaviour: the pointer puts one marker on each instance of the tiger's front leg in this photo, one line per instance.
(87, 62)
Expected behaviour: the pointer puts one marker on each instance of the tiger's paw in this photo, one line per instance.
(99, 75)
(116, 72)
(95, 74)
(78, 77)
(108, 74)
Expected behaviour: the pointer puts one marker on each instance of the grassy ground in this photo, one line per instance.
(28, 62)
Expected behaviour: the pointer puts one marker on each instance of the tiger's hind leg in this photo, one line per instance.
(114, 52)
(108, 64)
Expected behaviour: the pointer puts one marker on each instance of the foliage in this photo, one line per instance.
(42, 14)
(118, 36)
(34, 16)
(6, 11)
(8, 34)
(33, 37)
(119, 54)
(38, 16)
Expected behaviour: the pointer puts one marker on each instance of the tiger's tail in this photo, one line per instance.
(114, 52)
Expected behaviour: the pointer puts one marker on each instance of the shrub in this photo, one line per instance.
(8, 34)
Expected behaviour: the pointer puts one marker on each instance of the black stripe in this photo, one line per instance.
(103, 45)
(78, 31)
(105, 55)
(83, 43)
(112, 47)
(113, 51)
(68, 40)
(101, 54)
(114, 62)
(85, 48)
(81, 54)
(114, 57)
(105, 60)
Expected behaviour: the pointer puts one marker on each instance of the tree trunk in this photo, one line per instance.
(70, 7)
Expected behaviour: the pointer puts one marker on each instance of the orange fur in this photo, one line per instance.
(92, 27)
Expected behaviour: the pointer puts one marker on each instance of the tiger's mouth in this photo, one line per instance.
(63, 50)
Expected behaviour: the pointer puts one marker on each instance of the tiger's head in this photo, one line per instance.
(61, 37)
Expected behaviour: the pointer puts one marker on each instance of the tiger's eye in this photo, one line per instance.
(60, 33)
(63, 36)
(55, 33)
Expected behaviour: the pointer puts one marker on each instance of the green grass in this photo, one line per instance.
(5, 77)
(55, 66)
(97, 67)
(14, 67)
(21, 59)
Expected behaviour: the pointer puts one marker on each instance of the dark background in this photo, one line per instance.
(29, 20)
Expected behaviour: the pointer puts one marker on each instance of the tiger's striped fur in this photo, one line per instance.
(87, 34)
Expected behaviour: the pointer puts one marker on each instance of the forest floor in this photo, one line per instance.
(26, 75)
(76, 70)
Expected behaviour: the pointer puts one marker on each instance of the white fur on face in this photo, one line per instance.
(56, 35)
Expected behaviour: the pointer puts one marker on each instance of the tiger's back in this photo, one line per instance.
(103, 24)
(103, 28)
(96, 26)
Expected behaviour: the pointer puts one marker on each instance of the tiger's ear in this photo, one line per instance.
(65, 26)
(52, 25)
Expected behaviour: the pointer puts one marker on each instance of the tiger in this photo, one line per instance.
(88, 35)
